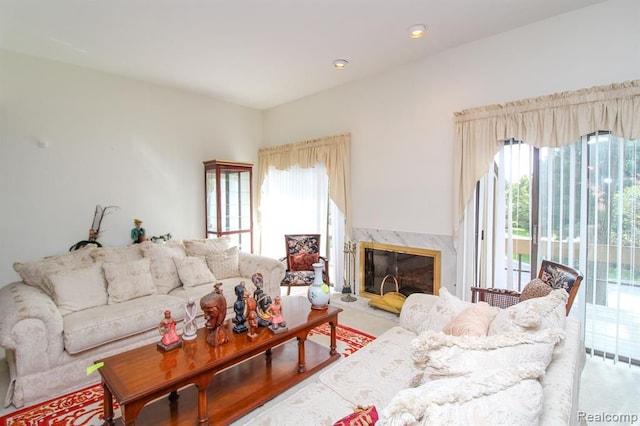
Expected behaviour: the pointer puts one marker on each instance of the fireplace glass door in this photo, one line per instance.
(415, 270)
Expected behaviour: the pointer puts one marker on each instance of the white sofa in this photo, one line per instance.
(501, 378)
(72, 309)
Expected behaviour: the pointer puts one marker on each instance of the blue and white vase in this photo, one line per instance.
(318, 291)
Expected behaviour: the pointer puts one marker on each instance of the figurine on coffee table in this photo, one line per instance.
(214, 306)
(262, 300)
(167, 328)
(190, 329)
(252, 319)
(278, 324)
(239, 307)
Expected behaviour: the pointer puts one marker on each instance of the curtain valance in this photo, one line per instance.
(333, 151)
(554, 120)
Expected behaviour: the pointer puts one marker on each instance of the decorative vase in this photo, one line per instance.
(318, 291)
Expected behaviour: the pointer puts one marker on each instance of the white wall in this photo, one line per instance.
(111, 141)
(115, 141)
(402, 122)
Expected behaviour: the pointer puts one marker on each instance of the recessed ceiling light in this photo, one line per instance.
(340, 64)
(417, 31)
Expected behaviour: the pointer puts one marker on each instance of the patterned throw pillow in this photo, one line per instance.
(193, 271)
(303, 261)
(34, 272)
(205, 246)
(78, 289)
(362, 416)
(224, 263)
(163, 269)
(535, 288)
(117, 254)
(128, 280)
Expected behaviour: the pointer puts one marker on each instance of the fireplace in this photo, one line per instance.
(415, 270)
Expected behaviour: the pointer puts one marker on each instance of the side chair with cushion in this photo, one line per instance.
(552, 275)
(303, 250)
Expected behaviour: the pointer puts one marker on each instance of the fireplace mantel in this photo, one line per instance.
(441, 243)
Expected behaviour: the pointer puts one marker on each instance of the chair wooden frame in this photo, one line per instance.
(504, 298)
(325, 274)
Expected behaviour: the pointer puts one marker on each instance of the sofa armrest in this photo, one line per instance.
(415, 310)
(31, 326)
(272, 271)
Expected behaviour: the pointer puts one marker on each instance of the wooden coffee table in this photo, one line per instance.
(230, 380)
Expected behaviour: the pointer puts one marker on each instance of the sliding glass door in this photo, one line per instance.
(578, 205)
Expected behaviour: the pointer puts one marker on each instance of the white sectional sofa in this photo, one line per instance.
(525, 372)
(72, 309)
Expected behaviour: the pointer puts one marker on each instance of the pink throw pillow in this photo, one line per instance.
(473, 321)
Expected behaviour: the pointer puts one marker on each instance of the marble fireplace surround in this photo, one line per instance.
(442, 243)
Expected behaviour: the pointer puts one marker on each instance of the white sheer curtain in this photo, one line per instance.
(332, 151)
(294, 201)
(289, 203)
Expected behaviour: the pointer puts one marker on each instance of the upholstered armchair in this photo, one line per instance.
(303, 250)
(551, 276)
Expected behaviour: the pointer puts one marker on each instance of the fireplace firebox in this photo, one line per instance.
(415, 270)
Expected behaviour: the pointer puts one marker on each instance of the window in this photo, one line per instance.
(296, 201)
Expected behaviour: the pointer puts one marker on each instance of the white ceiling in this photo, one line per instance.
(257, 53)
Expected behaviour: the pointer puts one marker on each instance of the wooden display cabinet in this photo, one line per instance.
(229, 201)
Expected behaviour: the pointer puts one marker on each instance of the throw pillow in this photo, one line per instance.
(437, 355)
(492, 396)
(472, 321)
(193, 271)
(361, 416)
(78, 289)
(117, 254)
(303, 261)
(443, 311)
(225, 263)
(532, 314)
(206, 246)
(163, 268)
(34, 272)
(535, 288)
(128, 280)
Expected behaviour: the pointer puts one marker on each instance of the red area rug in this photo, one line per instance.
(84, 407)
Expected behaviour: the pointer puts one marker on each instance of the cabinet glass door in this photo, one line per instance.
(228, 201)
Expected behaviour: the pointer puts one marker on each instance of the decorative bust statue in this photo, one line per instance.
(214, 307)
